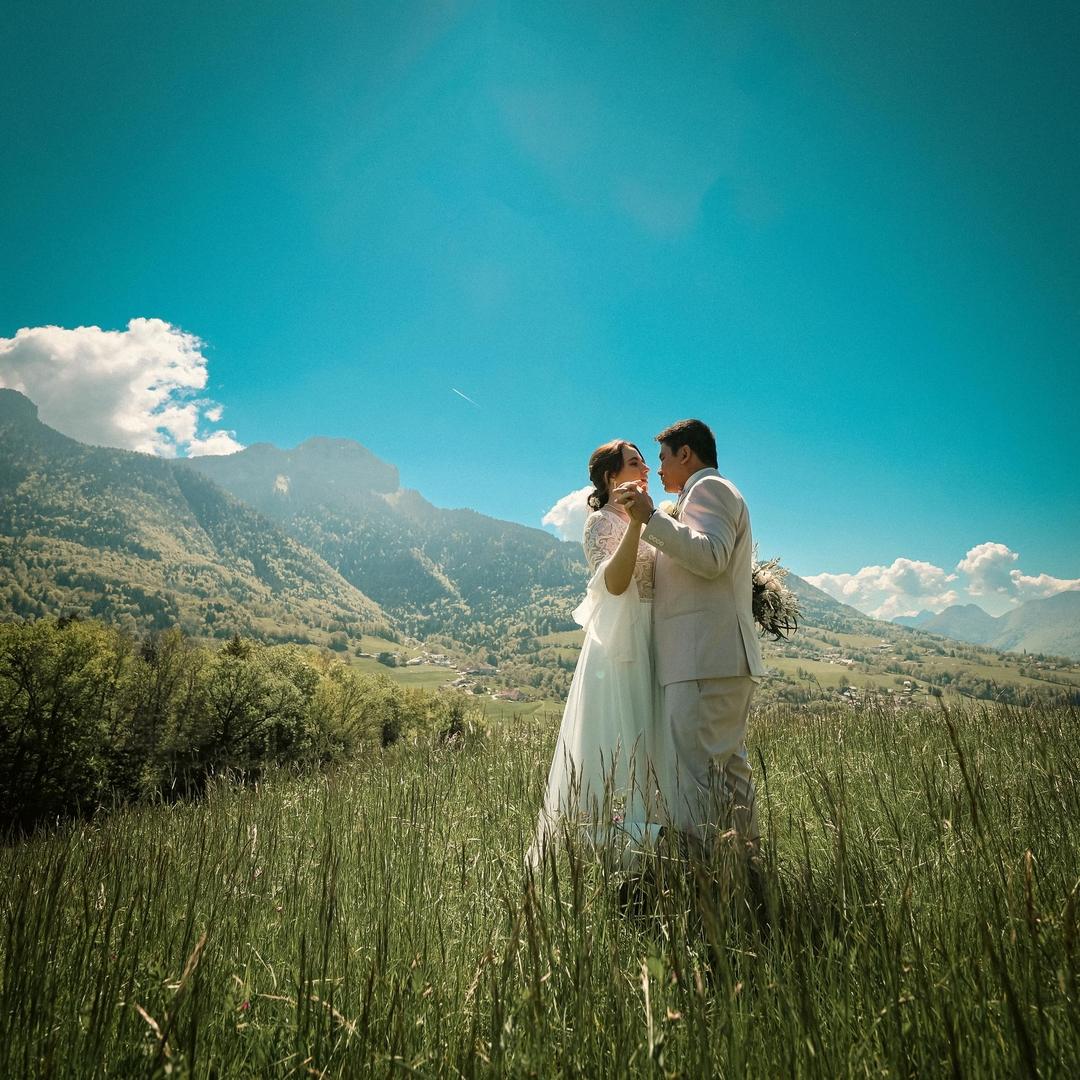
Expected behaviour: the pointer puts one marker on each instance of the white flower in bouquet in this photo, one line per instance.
(776, 607)
(667, 507)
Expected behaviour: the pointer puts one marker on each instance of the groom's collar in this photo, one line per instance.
(693, 478)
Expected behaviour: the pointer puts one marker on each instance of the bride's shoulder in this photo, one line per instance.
(601, 517)
(599, 521)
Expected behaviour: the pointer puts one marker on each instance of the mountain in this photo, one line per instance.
(135, 540)
(455, 573)
(321, 543)
(318, 536)
(821, 610)
(921, 619)
(1050, 626)
(964, 622)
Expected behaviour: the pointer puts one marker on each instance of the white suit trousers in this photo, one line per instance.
(713, 785)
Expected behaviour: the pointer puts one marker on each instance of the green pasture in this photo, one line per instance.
(570, 639)
(500, 710)
(992, 672)
(419, 677)
(829, 676)
(564, 652)
(915, 915)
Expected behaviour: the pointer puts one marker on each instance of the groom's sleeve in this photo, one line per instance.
(705, 537)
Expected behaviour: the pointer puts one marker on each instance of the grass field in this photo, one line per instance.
(917, 918)
(419, 677)
(546, 712)
(432, 677)
(570, 639)
(829, 676)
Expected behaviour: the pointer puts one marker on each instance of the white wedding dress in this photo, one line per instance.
(603, 777)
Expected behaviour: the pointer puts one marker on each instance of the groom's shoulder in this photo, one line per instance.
(731, 487)
(715, 486)
(716, 495)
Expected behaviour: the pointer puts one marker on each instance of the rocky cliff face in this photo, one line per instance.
(317, 472)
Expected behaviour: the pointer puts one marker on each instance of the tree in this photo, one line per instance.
(58, 696)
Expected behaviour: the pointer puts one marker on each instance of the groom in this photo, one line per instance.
(708, 660)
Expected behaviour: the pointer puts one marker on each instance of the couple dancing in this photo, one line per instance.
(653, 734)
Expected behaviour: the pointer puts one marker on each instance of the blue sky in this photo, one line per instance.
(845, 235)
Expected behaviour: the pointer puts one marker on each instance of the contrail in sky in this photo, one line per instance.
(465, 396)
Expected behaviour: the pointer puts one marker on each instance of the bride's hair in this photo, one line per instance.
(605, 460)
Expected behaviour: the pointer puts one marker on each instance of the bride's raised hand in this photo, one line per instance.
(633, 498)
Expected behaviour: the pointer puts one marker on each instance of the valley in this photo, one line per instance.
(320, 545)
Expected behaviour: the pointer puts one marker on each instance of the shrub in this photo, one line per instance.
(89, 716)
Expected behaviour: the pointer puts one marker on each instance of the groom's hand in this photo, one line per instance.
(634, 501)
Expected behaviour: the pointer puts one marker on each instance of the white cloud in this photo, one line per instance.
(134, 389)
(567, 516)
(1037, 588)
(986, 575)
(217, 442)
(991, 572)
(904, 588)
(988, 568)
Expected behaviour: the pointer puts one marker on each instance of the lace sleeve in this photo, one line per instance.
(602, 536)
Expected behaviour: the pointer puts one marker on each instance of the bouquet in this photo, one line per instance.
(776, 607)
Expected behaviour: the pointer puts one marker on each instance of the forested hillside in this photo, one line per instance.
(136, 541)
(455, 573)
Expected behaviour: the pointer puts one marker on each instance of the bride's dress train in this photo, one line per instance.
(609, 755)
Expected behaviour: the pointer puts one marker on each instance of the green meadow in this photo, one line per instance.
(916, 916)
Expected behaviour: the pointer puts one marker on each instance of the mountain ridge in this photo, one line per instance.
(332, 548)
(436, 571)
(1049, 625)
(130, 537)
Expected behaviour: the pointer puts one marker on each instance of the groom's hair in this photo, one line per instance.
(692, 433)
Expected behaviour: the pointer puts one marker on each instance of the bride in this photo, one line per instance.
(603, 777)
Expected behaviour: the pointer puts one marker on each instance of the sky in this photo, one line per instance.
(483, 238)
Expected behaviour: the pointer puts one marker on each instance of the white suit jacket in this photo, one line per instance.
(703, 604)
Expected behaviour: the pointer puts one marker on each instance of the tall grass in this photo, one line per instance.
(916, 916)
